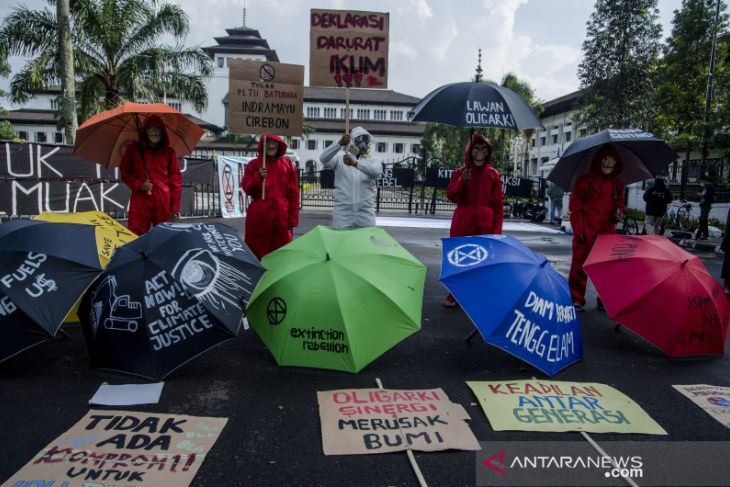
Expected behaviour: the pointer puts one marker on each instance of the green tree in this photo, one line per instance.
(7, 132)
(619, 57)
(117, 53)
(682, 87)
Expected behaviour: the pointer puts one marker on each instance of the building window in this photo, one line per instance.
(567, 136)
(176, 105)
(342, 113)
(330, 113)
(54, 104)
(23, 135)
(533, 143)
(542, 141)
(40, 137)
(380, 114)
(294, 144)
(555, 138)
(363, 114)
(415, 148)
(382, 147)
(313, 112)
(220, 62)
(396, 115)
(398, 148)
(328, 143)
(311, 144)
(58, 137)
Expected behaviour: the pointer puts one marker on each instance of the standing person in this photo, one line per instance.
(657, 198)
(707, 197)
(596, 204)
(272, 214)
(150, 168)
(556, 193)
(356, 172)
(476, 188)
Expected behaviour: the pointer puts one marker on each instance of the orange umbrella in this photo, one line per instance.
(104, 137)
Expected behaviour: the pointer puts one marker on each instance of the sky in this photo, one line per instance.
(432, 42)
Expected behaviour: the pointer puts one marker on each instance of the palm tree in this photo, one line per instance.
(117, 56)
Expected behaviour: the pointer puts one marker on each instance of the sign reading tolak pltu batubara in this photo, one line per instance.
(265, 97)
(362, 421)
(348, 48)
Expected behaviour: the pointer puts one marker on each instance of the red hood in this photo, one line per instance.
(155, 121)
(607, 150)
(279, 140)
(481, 139)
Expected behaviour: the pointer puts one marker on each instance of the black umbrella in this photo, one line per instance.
(44, 269)
(643, 156)
(167, 297)
(472, 104)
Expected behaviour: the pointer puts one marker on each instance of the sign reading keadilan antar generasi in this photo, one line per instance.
(348, 48)
(265, 98)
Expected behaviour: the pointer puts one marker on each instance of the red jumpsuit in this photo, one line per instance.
(595, 201)
(161, 168)
(479, 201)
(269, 221)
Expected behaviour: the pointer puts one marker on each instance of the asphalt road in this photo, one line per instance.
(273, 434)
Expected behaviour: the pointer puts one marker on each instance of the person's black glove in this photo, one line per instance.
(580, 238)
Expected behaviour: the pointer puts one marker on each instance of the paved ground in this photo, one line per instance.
(273, 434)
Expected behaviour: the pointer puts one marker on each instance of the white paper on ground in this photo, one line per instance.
(127, 394)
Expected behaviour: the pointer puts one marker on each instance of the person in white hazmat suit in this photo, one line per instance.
(356, 172)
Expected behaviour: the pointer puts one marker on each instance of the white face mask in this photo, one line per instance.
(154, 135)
(608, 164)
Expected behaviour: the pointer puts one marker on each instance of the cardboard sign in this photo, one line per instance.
(532, 405)
(265, 98)
(363, 421)
(715, 400)
(124, 448)
(348, 48)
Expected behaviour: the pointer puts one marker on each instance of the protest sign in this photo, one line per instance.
(265, 97)
(543, 405)
(124, 448)
(363, 421)
(715, 400)
(232, 197)
(348, 48)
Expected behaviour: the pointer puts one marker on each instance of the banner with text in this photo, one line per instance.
(265, 97)
(232, 197)
(363, 421)
(348, 48)
(124, 448)
(715, 400)
(515, 186)
(539, 405)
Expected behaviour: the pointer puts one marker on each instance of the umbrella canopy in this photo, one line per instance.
(515, 298)
(110, 234)
(44, 269)
(661, 292)
(472, 104)
(167, 297)
(337, 299)
(104, 137)
(643, 155)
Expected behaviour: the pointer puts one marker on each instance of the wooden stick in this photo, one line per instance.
(347, 115)
(263, 181)
(409, 452)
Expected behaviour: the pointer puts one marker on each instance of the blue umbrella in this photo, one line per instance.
(515, 298)
(643, 156)
(472, 104)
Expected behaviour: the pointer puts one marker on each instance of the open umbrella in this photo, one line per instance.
(44, 269)
(104, 137)
(643, 156)
(661, 292)
(472, 104)
(167, 297)
(337, 299)
(515, 298)
(110, 234)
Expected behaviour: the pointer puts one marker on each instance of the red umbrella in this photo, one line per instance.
(104, 137)
(661, 292)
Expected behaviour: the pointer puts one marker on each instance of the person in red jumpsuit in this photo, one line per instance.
(476, 188)
(272, 214)
(150, 169)
(596, 205)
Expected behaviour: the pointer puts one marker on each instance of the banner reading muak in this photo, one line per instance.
(124, 448)
(362, 421)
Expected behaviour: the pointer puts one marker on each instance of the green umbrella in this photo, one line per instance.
(337, 299)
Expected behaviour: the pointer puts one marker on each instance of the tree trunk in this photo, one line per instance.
(68, 82)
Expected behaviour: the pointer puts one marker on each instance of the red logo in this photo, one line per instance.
(499, 457)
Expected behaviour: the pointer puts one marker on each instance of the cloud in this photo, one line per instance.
(443, 39)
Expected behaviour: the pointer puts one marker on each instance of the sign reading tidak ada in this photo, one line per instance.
(361, 421)
(123, 448)
(532, 405)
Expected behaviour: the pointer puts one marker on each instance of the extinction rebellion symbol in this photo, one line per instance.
(467, 255)
(276, 311)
